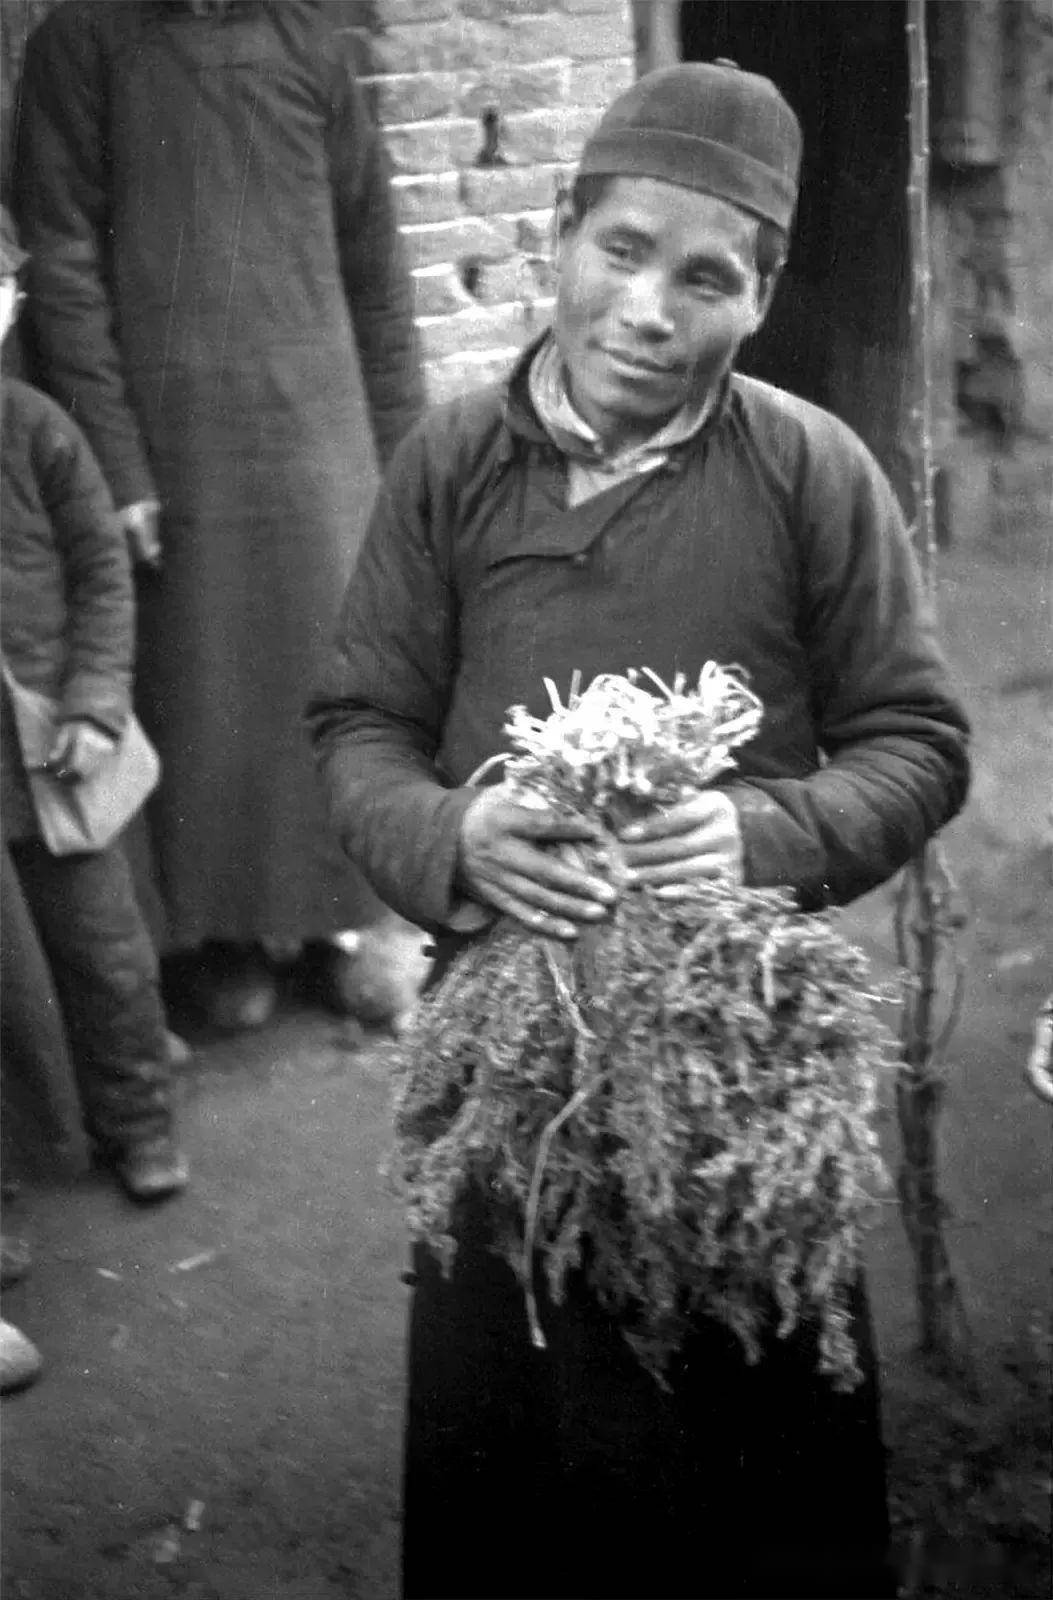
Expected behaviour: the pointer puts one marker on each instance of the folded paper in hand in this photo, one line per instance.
(88, 814)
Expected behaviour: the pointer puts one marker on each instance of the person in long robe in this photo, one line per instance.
(627, 499)
(221, 301)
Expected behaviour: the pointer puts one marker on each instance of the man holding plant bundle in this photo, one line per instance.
(627, 500)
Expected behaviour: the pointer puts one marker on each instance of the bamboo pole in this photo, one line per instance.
(928, 908)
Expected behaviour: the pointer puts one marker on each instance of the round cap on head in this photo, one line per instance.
(12, 256)
(709, 126)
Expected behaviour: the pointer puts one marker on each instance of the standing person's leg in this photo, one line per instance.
(106, 974)
(41, 1115)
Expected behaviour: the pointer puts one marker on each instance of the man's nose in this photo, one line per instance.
(645, 306)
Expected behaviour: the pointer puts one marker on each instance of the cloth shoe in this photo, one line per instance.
(233, 987)
(282, 952)
(374, 974)
(20, 1361)
(14, 1260)
(148, 1169)
(179, 1052)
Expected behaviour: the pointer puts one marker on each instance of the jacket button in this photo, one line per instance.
(579, 561)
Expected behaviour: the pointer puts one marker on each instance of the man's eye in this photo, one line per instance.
(618, 251)
(705, 283)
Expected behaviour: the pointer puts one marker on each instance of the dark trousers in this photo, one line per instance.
(568, 1474)
(105, 975)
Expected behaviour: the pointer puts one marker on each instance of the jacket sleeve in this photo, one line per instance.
(100, 631)
(373, 266)
(892, 735)
(61, 198)
(377, 717)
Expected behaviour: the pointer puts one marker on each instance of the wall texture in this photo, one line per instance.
(486, 104)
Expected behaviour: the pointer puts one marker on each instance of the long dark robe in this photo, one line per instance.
(569, 1474)
(771, 540)
(219, 296)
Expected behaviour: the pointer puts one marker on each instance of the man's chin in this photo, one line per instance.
(641, 395)
(645, 413)
(641, 405)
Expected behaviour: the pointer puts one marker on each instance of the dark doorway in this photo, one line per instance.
(837, 332)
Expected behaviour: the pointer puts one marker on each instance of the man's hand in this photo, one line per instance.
(507, 860)
(699, 838)
(78, 750)
(142, 529)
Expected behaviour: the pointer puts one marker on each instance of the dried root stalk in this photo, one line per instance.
(680, 1105)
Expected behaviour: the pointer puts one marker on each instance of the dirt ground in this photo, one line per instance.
(219, 1418)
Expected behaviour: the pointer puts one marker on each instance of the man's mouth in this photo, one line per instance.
(639, 366)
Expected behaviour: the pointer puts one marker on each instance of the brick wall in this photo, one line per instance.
(479, 234)
(485, 106)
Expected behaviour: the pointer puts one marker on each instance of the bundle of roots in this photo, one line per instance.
(680, 1104)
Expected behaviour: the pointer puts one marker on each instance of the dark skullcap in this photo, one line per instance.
(707, 126)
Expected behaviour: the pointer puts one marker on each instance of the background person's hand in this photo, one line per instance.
(78, 749)
(507, 860)
(696, 839)
(142, 529)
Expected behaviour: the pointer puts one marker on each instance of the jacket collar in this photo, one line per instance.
(522, 422)
(520, 418)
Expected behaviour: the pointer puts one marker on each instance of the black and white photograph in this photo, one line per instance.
(526, 776)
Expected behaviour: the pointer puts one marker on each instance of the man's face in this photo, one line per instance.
(658, 287)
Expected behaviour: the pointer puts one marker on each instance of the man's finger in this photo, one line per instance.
(718, 834)
(533, 917)
(716, 865)
(683, 891)
(541, 897)
(541, 868)
(700, 811)
(655, 852)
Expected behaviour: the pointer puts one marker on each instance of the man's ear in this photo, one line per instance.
(766, 294)
(564, 220)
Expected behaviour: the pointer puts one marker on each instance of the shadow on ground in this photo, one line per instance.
(235, 1354)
